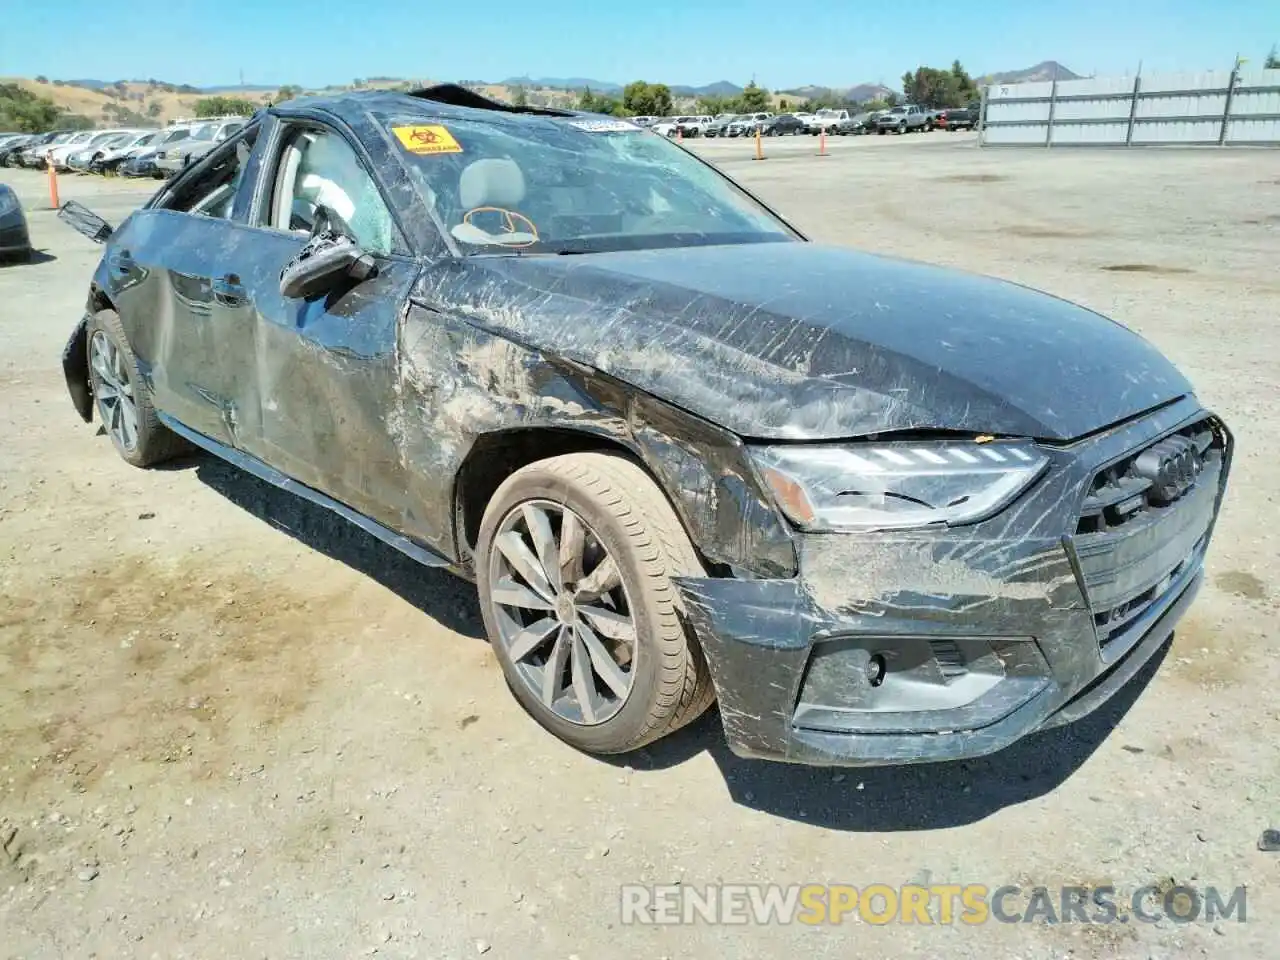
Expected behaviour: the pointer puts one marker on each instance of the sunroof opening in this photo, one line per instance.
(459, 96)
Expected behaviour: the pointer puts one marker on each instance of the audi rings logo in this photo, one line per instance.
(1172, 466)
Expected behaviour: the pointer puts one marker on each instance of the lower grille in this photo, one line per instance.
(1112, 623)
(1143, 527)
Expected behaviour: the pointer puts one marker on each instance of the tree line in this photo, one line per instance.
(225, 107)
(927, 86)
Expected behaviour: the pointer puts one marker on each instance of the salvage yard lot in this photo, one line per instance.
(229, 724)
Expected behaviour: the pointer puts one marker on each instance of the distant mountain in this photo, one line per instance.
(242, 88)
(217, 88)
(563, 83)
(721, 88)
(857, 94)
(1048, 70)
(868, 91)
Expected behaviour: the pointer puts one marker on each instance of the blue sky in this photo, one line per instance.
(782, 43)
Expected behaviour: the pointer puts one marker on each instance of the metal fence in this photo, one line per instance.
(1225, 107)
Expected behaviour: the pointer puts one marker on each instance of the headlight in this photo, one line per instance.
(879, 486)
(8, 202)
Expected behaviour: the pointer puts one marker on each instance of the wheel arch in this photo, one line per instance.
(701, 470)
(496, 455)
(75, 355)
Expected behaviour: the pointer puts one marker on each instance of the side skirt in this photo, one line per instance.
(237, 458)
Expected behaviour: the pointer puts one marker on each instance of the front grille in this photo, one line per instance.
(1143, 527)
(1124, 490)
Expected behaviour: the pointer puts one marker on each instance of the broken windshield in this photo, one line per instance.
(573, 185)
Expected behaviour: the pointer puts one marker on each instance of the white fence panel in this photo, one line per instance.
(1089, 134)
(1240, 106)
(1177, 131)
(1031, 134)
(1254, 131)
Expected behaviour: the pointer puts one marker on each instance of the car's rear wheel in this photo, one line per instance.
(574, 565)
(121, 398)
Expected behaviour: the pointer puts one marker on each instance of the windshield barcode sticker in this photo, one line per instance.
(604, 126)
(427, 140)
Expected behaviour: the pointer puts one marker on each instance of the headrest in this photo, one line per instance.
(491, 182)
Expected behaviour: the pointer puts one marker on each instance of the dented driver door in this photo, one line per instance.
(326, 367)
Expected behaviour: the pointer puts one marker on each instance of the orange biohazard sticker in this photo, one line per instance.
(427, 140)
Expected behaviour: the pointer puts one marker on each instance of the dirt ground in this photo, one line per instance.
(231, 725)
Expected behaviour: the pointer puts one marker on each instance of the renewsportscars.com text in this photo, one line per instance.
(970, 904)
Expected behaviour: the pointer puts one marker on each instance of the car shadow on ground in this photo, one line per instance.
(928, 796)
(881, 799)
(32, 259)
(444, 597)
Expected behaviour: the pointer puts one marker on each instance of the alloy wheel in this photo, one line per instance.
(113, 390)
(563, 614)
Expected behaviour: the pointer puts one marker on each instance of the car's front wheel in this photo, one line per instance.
(574, 564)
(124, 405)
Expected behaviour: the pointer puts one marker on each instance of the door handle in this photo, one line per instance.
(229, 290)
(123, 261)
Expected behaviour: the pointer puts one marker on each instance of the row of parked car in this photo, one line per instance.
(907, 118)
(128, 152)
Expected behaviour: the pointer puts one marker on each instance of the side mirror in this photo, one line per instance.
(323, 264)
(85, 221)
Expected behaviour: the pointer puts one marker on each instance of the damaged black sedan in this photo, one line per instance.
(881, 512)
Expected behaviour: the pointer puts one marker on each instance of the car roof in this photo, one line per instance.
(442, 102)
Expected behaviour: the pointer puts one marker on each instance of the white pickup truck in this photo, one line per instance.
(830, 120)
(669, 126)
(747, 124)
(696, 126)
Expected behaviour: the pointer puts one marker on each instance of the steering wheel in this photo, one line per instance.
(518, 230)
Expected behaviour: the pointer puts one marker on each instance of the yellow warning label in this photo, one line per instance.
(425, 140)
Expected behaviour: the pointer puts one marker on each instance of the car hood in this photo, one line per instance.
(797, 340)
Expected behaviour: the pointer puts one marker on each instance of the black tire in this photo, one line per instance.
(902, 128)
(633, 520)
(881, 131)
(155, 443)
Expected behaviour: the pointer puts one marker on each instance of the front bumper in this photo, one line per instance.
(939, 645)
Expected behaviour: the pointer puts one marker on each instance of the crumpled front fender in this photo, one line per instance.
(75, 367)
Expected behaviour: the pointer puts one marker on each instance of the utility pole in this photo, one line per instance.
(1231, 91)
